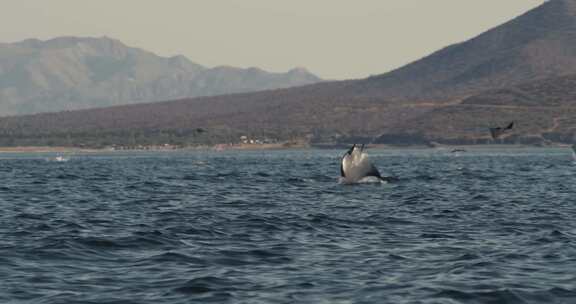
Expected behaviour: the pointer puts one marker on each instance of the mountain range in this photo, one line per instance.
(536, 45)
(523, 70)
(69, 73)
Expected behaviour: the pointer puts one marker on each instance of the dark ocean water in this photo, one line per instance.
(276, 227)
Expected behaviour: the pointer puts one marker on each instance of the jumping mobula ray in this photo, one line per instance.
(355, 167)
(499, 131)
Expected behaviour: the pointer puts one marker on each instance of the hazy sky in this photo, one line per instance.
(335, 39)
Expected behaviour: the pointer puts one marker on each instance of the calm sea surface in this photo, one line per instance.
(487, 226)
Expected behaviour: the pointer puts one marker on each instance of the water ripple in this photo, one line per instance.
(276, 227)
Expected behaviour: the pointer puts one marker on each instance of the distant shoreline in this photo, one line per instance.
(258, 147)
(34, 149)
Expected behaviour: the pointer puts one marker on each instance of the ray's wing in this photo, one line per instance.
(498, 131)
(495, 132)
(342, 163)
(363, 166)
(346, 164)
(372, 171)
(346, 161)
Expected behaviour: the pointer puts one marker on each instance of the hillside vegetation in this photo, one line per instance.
(522, 71)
